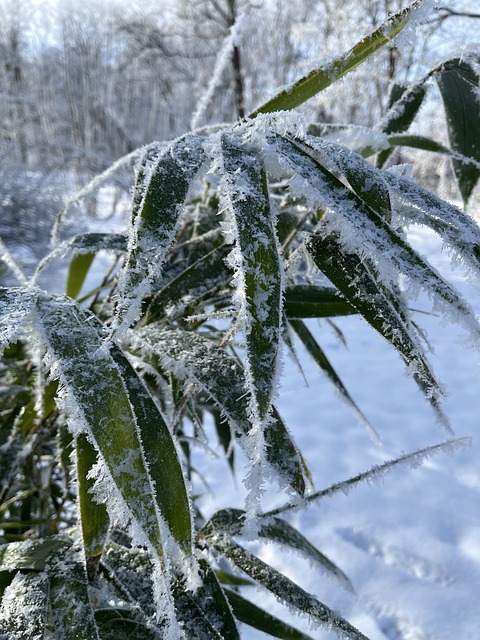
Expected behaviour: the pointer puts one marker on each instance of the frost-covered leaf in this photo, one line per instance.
(415, 204)
(230, 521)
(160, 454)
(158, 201)
(122, 624)
(286, 590)
(359, 231)
(196, 281)
(358, 280)
(15, 307)
(72, 612)
(311, 301)
(206, 614)
(258, 618)
(319, 356)
(328, 73)
(94, 518)
(24, 607)
(30, 555)
(258, 266)
(192, 356)
(412, 460)
(459, 85)
(403, 105)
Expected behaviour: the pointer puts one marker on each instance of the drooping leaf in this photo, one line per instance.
(319, 356)
(311, 301)
(24, 607)
(72, 612)
(325, 75)
(94, 518)
(286, 590)
(200, 278)
(258, 618)
(15, 307)
(189, 356)
(459, 85)
(258, 266)
(163, 189)
(206, 613)
(230, 521)
(404, 103)
(30, 555)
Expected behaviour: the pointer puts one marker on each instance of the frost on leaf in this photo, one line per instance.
(158, 201)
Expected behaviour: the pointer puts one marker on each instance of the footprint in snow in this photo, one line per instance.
(414, 565)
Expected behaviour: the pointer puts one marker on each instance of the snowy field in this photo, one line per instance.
(410, 543)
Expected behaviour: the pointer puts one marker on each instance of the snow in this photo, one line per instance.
(410, 542)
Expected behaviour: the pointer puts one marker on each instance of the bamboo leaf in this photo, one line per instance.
(121, 624)
(258, 264)
(77, 272)
(72, 612)
(258, 618)
(30, 555)
(192, 356)
(459, 85)
(403, 105)
(24, 607)
(323, 362)
(286, 590)
(231, 521)
(328, 73)
(196, 281)
(94, 518)
(311, 301)
(158, 202)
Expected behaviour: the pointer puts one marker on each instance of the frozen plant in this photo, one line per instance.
(236, 235)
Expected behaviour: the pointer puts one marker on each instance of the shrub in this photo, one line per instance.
(237, 234)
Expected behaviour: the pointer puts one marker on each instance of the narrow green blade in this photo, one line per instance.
(258, 266)
(310, 301)
(258, 618)
(77, 272)
(286, 590)
(319, 356)
(230, 522)
(459, 85)
(94, 518)
(328, 73)
(158, 202)
(222, 377)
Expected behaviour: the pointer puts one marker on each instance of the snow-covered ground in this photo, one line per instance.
(410, 543)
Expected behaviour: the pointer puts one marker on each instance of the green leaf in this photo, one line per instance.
(328, 73)
(258, 618)
(459, 85)
(122, 624)
(158, 202)
(30, 555)
(94, 518)
(72, 612)
(189, 355)
(311, 301)
(259, 269)
(160, 454)
(316, 352)
(286, 590)
(196, 281)
(77, 272)
(231, 521)
(24, 607)
(404, 103)
(206, 612)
